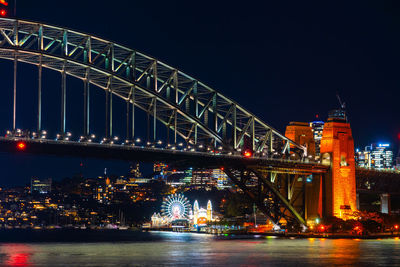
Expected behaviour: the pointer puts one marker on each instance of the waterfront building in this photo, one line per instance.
(202, 216)
(158, 221)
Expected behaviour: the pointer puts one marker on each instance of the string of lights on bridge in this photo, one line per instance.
(21, 145)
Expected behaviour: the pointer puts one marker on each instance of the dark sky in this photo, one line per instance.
(283, 60)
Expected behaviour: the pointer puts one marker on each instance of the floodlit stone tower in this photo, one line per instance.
(337, 150)
(209, 211)
(301, 133)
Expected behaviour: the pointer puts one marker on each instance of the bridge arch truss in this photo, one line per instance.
(187, 107)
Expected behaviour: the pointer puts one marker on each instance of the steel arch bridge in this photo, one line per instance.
(190, 110)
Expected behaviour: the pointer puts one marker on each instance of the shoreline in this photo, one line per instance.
(137, 235)
(286, 235)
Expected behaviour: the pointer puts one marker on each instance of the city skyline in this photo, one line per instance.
(206, 133)
(286, 56)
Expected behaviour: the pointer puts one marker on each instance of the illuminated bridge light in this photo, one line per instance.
(21, 145)
(247, 153)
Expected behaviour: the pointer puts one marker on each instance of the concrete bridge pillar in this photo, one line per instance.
(385, 203)
(337, 150)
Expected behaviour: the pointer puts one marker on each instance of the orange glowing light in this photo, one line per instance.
(396, 227)
(21, 145)
(222, 168)
(3, 2)
(247, 153)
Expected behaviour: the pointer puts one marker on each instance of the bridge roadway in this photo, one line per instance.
(177, 158)
(374, 181)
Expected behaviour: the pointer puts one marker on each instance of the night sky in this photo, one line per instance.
(282, 60)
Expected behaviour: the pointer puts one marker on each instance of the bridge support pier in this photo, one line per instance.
(385, 203)
(282, 201)
(337, 151)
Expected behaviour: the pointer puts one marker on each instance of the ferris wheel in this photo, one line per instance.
(175, 207)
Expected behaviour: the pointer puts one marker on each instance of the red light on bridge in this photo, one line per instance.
(3, 12)
(248, 153)
(322, 228)
(21, 145)
(396, 227)
(4, 2)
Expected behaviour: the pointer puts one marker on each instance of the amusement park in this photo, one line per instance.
(177, 213)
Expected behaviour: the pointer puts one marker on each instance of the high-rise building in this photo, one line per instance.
(381, 156)
(398, 162)
(363, 158)
(203, 178)
(221, 178)
(317, 128)
(135, 171)
(160, 170)
(375, 156)
(42, 186)
(159, 167)
(188, 176)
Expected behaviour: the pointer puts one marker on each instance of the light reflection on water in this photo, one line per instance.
(197, 249)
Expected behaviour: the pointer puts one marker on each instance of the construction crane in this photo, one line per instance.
(342, 104)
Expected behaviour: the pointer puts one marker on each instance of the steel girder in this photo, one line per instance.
(191, 109)
(266, 192)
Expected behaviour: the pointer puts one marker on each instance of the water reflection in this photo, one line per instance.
(16, 254)
(346, 251)
(203, 250)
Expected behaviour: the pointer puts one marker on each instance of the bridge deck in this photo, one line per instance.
(148, 154)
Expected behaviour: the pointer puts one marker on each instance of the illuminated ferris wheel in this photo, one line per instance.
(175, 207)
